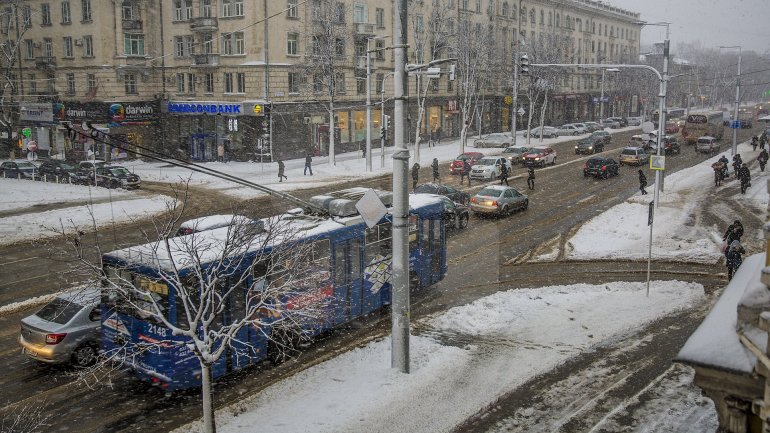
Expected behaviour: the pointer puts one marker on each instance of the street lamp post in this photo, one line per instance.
(737, 99)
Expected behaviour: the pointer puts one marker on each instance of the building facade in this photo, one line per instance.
(148, 69)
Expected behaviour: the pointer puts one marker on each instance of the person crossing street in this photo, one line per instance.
(531, 178)
(762, 159)
(308, 164)
(436, 174)
(745, 177)
(642, 182)
(415, 174)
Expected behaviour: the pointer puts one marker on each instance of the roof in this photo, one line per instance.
(498, 187)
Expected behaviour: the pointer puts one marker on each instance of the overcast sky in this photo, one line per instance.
(713, 22)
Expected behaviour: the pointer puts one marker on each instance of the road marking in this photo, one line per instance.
(18, 261)
(21, 281)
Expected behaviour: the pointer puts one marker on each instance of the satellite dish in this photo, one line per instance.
(647, 127)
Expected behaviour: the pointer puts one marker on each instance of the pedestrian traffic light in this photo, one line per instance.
(524, 64)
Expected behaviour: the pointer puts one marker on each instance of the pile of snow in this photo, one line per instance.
(23, 194)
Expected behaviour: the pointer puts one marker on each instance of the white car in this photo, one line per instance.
(570, 129)
(634, 121)
(489, 167)
(707, 144)
(548, 132)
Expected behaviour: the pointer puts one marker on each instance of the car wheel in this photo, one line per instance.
(84, 355)
(504, 210)
(526, 205)
(575, 133)
(463, 221)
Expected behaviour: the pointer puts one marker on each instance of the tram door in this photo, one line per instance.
(348, 287)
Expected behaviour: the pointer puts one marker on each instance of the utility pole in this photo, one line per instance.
(368, 108)
(737, 100)
(400, 302)
(514, 96)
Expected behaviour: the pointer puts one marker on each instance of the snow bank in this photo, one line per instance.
(22, 194)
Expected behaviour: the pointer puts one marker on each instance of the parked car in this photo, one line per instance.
(211, 222)
(66, 330)
(447, 191)
(55, 168)
(670, 146)
(115, 176)
(456, 167)
(489, 167)
(589, 145)
(570, 129)
(671, 128)
(498, 200)
(633, 156)
(540, 156)
(634, 121)
(707, 144)
(548, 132)
(601, 167)
(609, 123)
(593, 126)
(91, 164)
(583, 126)
(622, 121)
(18, 169)
(515, 153)
(604, 135)
(494, 140)
(455, 214)
(746, 124)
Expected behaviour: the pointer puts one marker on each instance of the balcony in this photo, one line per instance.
(363, 29)
(205, 59)
(45, 63)
(203, 24)
(132, 25)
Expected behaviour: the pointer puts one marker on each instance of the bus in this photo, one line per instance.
(351, 270)
(702, 124)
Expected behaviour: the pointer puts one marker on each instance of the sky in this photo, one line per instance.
(713, 22)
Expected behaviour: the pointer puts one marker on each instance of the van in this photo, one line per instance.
(707, 144)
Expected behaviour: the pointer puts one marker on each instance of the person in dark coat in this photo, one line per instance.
(762, 159)
(281, 168)
(754, 143)
(308, 164)
(737, 163)
(466, 172)
(762, 140)
(642, 182)
(726, 168)
(719, 170)
(745, 176)
(415, 174)
(363, 148)
(531, 177)
(504, 174)
(734, 233)
(734, 258)
(436, 174)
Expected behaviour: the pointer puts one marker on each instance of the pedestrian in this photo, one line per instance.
(438, 135)
(719, 169)
(642, 182)
(762, 159)
(762, 140)
(737, 163)
(754, 142)
(415, 174)
(504, 174)
(734, 233)
(745, 176)
(725, 168)
(434, 166)
(308, 164)
(221, 152)
(281, 168)
(734, 260)
(531, 177)
(466, 172)
(363, 149)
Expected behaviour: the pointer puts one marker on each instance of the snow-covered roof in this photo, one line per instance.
(715, 343)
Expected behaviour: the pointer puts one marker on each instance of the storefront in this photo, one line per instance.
(38, 121)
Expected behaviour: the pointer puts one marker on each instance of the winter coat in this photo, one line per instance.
(734, 232)
(735, 255)
(434, 166)
(466, 167)
(642, 179)
(308, 161)
(530, 173)
(763, 156)
(415, 171)
(744, 174)
(281, 168)
(504, 171)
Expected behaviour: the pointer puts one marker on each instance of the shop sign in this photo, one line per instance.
(451, 105)
(112, 113)
(213, 108)
(36, 112)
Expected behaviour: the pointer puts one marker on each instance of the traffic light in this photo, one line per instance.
(387, 122)
(382, 133)
(524, 64)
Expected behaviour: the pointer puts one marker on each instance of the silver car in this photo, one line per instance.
(66, 330)
(494, 140)
(498, 200)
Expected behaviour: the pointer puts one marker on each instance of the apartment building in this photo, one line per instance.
(261, 77)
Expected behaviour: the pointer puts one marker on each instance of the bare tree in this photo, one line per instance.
(265, 278)
(15, 17)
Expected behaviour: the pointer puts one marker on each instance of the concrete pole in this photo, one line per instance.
(400, 304)
(737, 102)
(368, 108)
(601, 98)
(515, 97)
(382, 124)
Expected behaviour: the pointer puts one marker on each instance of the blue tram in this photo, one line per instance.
(352, 267)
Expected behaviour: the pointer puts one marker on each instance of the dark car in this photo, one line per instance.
(455, 214)
(746, 124)
(18, 169)
(56, 169)
(115, 176)
(604, 135)
(456, 167)
(671, 146)
(590, 145)
(601, 167)
(622, 120)
(445, 190)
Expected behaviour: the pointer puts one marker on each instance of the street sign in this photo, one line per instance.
(657, 162)
(521, 111)
(508, 100)
(26, 132)
(371, 208)
(647, 127)
(32, 146)
(736, 124)
(433, 72)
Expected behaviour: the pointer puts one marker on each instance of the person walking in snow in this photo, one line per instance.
(466, 172)
(734, 258)
(754, 143)
(504, 174)
(734, 232)
(745, 176)
(642, 182)
(737, 163)
(436, 174)
(719, 169)
(308, 164)
(725, 169)
(415, 174)
(762, 159)
(281, 168)
(531, 177)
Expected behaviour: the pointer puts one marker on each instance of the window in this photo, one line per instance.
(190, 83)
(532, 15)
(523, 14)
(206, 8)
(70, 84)
(66, 14)
(478, 6)
(178, 11)
(29, 51)
(339, 47)
(542, 17)
(91, 82)
(183, 46)
(318, 83)
(339, 82)
(32, 86)
(418, 24)
(378, 84)
(433, 85)
(130, 83)
(241, 77)
(67, 47)
(26, 13)
(232, 43)
(85, 10)
(45, 14)
(450, 85)
(295, 79)
(130, 11)
(379, 16)
(133, 44)
(232, 8)
(292, 42)
(228, 79)
(505, 9)
(360, 13)
(380, 45)
(291, 9)
(339, 12)
(47, 47)
(188, 9)
(88, 46)
(208, 82)
(361, 83)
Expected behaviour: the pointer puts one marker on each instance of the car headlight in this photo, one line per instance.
(590, 147)
(576, 147)
(537, 159)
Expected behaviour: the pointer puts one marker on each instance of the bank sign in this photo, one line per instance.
(36, 112)
(213, 108)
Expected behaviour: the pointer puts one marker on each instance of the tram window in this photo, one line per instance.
(339, 264)
(321, 253)
(377, 252)
(436, 235)
(379, 233)
(425, 232)
(355, 259)
(413, 241)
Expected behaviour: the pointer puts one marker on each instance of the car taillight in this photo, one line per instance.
(494, 202)
(604, 167)
(473, 200)
(54, 338)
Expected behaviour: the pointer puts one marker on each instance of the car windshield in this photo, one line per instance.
(629, 151)
(25, 165)
(514, 150)
(489, 192)
(487, 161)
(67, 166)
(59, 311)
(464, 157)
(595, 162)
(537, 151)
(119, 171)
(426, 189)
